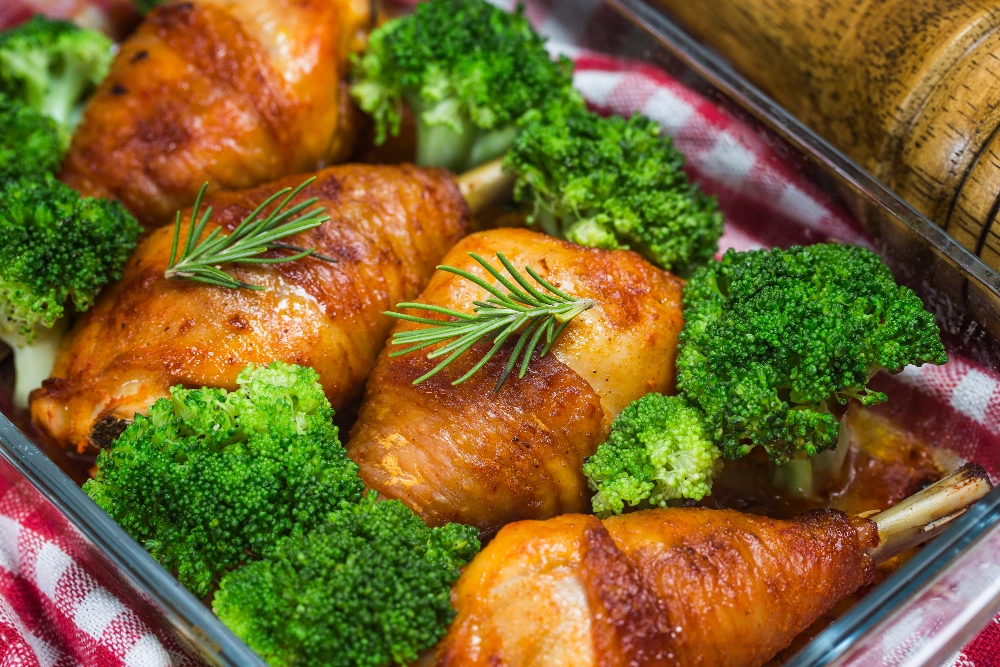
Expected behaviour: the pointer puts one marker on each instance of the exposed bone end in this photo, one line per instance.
(485, 185)
(928, 513)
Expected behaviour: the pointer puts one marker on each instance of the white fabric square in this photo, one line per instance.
(973, 393)
(147, 652)
(797, 205)
(51, 564)
(96, 611)
(10, 533)
(669, 110)
(597, 86)
(728, 161)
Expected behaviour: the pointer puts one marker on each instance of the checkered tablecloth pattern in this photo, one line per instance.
(56, 612)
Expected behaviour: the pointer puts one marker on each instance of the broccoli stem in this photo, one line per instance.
(795, 478)
(490, 145)
(60, 101)
(548, 223)
(33, 362)
(803, 477)
(442, 146)
(828, 465)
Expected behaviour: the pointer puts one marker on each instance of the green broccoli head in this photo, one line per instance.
(613, 183)
(772, 339)
(658, 450)
(30, 143)
(58, 247)
(53, 67)
(468, 71)
(369, 588)
(146, 6)
(210, 478)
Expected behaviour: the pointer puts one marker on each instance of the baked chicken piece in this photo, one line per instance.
(466, 454)
(675, 587)
(388, 227)
(230, 92)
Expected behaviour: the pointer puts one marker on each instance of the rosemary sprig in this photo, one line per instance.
(523, 308)
(202, 262)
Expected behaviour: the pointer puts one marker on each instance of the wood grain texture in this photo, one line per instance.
(389, 227)
(908, 88)
(230, 92)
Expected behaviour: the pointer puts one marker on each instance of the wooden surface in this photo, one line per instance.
(908, 88)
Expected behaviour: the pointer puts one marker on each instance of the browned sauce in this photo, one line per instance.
(77, 466)
(886, 463)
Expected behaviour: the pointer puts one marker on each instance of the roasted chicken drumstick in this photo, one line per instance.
(464, 453)
(389, 227)
(675, 586)
(230, 92)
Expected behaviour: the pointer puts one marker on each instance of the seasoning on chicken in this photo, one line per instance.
(466, 454)
(389, 227)
(676, 586)
(232, 92)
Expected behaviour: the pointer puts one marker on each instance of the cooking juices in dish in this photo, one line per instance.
(671, 586)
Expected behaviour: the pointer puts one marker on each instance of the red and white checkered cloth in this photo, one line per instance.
(54, 610)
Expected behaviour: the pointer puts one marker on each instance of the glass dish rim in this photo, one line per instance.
(182, 609)
(983, 519)
(192, 618)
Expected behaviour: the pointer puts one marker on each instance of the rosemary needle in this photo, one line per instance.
(255, 235)
(533, 314)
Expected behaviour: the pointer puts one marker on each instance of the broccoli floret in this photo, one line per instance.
(146, 6)
(369, 588)
(30, 143)
(658, 450)
(53, 67)
(210, 478)
(773, 339)
(57, 248)
(467, 70)
(613, 183)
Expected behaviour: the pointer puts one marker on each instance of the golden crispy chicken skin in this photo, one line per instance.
(464, 453)
(389, 227)
(661, 587)
(230, 92)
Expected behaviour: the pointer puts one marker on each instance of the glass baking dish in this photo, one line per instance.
(944, 583)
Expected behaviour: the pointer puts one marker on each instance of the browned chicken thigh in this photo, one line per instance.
(229, 92)
(675, 587)
(389, 227)
(464, 453)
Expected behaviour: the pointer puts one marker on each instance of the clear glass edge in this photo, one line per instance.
(184, 611)
(891, 597)
(187, 613)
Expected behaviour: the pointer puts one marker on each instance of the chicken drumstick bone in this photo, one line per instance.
(676, 586)
(388, 227)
